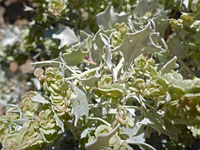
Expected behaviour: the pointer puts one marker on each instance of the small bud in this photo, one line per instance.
(39, 73)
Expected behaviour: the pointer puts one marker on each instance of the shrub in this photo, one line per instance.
(113, 88)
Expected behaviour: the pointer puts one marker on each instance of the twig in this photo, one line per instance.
(96, 118)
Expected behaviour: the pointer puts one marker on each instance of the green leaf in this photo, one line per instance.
(38, 72)
(175, 79)
(91, 81)
(102, 141)
(65, 85)
(42, 134)
(108, 18)
(79, 104)
(74, 56)
(114, 91)
(66, 36)
(169, 66)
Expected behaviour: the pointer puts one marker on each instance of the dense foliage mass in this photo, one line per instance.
(111, 80)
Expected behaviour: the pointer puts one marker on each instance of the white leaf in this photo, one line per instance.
(38, 98)
(79, 104)
(66, 36)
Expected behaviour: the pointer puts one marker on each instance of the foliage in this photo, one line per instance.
(110, 89)
(186, 33)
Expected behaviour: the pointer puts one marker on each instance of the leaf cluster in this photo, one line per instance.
(110, 89)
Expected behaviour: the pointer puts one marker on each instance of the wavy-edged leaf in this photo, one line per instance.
(102, 141)
(59, 123)
(108, 18)
(40, 99)
(66, 36)
(169, 66)
(74, 57)
(91, 81)
(134, 43)
(79, 104)
(97, 45)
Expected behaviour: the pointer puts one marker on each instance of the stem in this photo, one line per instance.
(82, 74)
(53, 63)
(133, 107)
(63, 61)
(99, 119)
